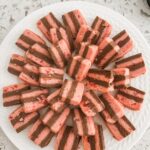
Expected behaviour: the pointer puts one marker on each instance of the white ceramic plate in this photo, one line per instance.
(141, 119)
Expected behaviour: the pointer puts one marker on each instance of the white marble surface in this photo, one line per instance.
(137, 11)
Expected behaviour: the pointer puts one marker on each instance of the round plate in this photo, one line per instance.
(140, 119)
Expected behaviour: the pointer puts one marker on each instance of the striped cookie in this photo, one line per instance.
(30, 75)
(38, 53)
(95, 142)
(78, 67)
(40, 134)
(67, 139)
(73, 20)
(21, 120)
(91, 104)
(134, 63)
(51, 77)
(131, 97)
(55, 121)
(47, 22)
(83, 125)
(27, 39)
(12, 94)
(123, 40)
(113, 109)
(60, 53)
(108, 50)
(33, 100)
(99, 80)
(71, 92)
(103, 27)
(16, 64)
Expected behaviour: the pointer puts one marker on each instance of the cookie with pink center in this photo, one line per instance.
(55, 121)
(38, 53)
(107, 51)
(103, 27)
(30, 75)
(131, 97)
(47, 22)
(83, 125)
(71, 92)
(16, 64)
(73, 20)
(134, 63)
(113, 109)
(99, 80)
(78, 67)
(12, 93)
(51, 77)
(40, 134)
(27, 39)
(95, 142)
(123, 40)
(60, 53)
(91, 104)
(21, 120)
(34, 99)
(120, 129)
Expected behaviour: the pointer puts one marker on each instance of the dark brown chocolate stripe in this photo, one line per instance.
(130, 97)
(46, 23)
(76, 142)
(53, 100)
(63, 87)
(92, 142)
(55, 75)
(73, 116)
(136, 66)
(101, 137)
(128, 122)
(101, 29)
(13, 71)
(95, 22)
(123, 42)
(16, 92)
(105, 51)
(27, 39)
(21, 46)
(106, 73)
(68, 65)
(65, 136)
(18, 62)
(119, 35)
(44, 46)
(70, 39)
(94, 39)
(31, 99)
(32, 90)
(11, 103)
(129, 59)
(76, 68)
(98, 82)
(87, 35)
(31, 74)
(136, 90)
(59, 36)
(51, 85)
(118, 78)
(85, 51)
(65, 22)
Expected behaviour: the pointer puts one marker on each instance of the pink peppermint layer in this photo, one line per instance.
(55, 121)
(27, 39)
(56, 34)
(30, 75)
(34, 99)
(134, 63)
(55, 101)
(67, 139)
(121, 129)
(71, 92)
(131, 97)
(78, 67)
(83, 125)
(86, 34)
(12, 94)
(95, 142)
(60, 53)
(40, 134)
(38, 53)
(121, 77)
(87, 51)
(21, 120)
(51, 77)
(123, 40)
(113, 109)
(16, 64)
(107, 51)
(47, 22)
(91, 104)
(73, 20)
(99, 80)
(103, 27)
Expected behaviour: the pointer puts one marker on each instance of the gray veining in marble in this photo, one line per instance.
(137, 11)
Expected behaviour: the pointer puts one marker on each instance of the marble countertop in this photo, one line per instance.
(137, 11)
